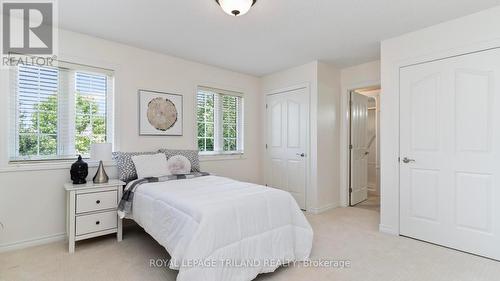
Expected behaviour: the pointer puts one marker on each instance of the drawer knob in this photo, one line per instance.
(98, 202)
(97, 222)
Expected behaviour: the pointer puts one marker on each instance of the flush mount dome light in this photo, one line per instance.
(236, 7)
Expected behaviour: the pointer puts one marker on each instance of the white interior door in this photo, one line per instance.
(287, 142)
(359, 148)
(450, 152)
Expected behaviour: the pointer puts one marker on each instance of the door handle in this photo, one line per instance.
(301, 154)
(407, 160)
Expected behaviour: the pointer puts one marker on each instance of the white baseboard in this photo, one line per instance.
(388, 229)
(32, 242)
(323, 209)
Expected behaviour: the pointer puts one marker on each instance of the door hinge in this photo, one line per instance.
(350, 146)
(399, 159)
(350, 189)
(266, 105)
(266, 145)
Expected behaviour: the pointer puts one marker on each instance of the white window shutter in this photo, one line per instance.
(36, 114)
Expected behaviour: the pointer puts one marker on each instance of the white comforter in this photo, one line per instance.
(218, 229)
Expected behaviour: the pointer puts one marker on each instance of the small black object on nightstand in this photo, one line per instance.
(79, 171)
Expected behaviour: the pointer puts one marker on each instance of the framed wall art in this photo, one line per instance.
(160, 114)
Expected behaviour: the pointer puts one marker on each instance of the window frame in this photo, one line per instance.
(219, 124)
(67, 71)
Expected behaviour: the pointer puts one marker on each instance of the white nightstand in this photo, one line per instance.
(91, 210)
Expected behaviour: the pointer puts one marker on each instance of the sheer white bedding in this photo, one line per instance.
(219, 229)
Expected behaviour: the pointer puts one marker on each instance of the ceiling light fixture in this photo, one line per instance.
(236, 7)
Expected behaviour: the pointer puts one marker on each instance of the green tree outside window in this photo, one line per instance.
(39, 135)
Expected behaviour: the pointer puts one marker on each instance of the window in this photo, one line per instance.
(206, 121)
(37, 111)
(220, 121)
(90, 115)
(59, 112)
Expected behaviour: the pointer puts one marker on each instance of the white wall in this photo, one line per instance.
(471, 33)
(351, 78)
(324, 84)
(32, 204)
(359, 76)
(328, 129)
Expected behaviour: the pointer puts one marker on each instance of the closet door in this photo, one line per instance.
(450, 152)
(287, 142)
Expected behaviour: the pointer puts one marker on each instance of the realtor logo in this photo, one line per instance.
(27, 28)
(29, 34)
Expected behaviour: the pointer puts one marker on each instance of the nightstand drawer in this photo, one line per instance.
(96, 222)
(90, 202)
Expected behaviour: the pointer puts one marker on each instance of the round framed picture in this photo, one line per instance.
(160, 114)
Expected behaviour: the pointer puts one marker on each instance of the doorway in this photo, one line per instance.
(364, 164)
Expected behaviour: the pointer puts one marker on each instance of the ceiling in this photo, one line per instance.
(274, 35)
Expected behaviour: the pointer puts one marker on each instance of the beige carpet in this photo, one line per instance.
(343, 234)
(372, 203)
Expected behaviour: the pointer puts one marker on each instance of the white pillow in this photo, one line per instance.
(179, 165)
(151, 165)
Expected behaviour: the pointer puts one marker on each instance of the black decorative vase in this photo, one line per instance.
(79, 171)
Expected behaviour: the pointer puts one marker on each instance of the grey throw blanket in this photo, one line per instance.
(125, 205)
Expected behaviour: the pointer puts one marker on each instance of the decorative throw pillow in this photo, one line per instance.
(125, 165)
(179, 165)
(191, 155)
(150, 165)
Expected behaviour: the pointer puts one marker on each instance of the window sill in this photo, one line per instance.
(48, 165)
(221, 156)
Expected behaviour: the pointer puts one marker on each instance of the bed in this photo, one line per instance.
(218, 229)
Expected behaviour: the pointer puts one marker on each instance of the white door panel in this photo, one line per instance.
(450, 126)
(359, 148)
(287, 142)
